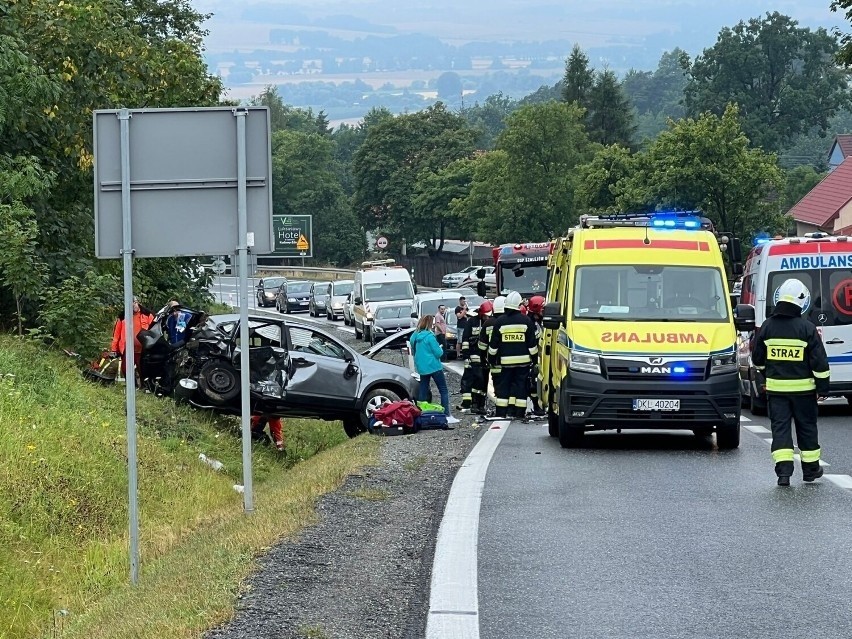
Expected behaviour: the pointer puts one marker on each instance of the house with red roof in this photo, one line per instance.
(840, 150)
(828, 206)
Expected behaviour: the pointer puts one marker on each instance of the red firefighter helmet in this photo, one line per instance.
(536, 305)
(486, 308)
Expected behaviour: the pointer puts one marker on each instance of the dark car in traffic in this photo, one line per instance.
(318, 303)
(389, 319)
(267, 289)
(293, 296)
(297, 370)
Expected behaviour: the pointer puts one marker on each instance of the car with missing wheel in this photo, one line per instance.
(297, 369)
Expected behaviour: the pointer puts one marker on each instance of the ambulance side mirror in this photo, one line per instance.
(744, 319)
(552, 316)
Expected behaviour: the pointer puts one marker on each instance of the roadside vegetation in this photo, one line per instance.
(64, 562)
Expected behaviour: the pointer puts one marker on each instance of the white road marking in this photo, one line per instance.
(454, 594)
(458, 368)
(844, 481)
(757, 429)
(744, 419)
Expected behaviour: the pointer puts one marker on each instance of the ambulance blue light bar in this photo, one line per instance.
(761, 239)
(672, 221)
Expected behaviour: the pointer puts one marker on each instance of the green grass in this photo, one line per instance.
(64, 567)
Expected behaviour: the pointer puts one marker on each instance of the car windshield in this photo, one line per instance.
(649, 293)
(341, 288)
(387, 291)
(830, 299)
(273, 282)
(527, 280)
(393, 312)
(321, 289)
(430, 307)
(298, 288)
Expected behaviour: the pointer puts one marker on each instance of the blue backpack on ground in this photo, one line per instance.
(431, 420)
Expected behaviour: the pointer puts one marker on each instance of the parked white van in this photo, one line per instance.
(378, 281)
(823, 264)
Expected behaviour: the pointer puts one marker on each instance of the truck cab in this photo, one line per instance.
(639, 329)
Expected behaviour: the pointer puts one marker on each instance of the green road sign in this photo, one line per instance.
(293, 235)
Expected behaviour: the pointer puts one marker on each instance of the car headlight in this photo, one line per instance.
(269, 294)
(337, 306)
(291, 299)
(451, 335)
(721, 364)
(585, 362)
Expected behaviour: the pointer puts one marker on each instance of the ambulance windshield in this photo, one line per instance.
(527, 280)
(650, 293)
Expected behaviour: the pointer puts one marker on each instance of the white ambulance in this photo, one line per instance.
(378, 281)
(823, 264)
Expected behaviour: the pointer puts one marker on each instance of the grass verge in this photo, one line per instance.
(64, 567)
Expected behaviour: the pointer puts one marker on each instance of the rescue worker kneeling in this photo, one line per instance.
(514, 348)
(790, 353)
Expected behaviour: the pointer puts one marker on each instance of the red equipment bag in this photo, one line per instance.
(401, 413)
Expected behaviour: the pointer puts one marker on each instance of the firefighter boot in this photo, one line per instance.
(811, 471)
(784, 470)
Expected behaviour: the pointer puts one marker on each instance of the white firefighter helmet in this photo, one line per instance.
(514, 300)
(499, 305)
(794, 292)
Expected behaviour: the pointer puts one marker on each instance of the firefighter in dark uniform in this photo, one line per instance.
(790, 353)
(514, 348)
(490, 369)
(535, 311)
(473, 386)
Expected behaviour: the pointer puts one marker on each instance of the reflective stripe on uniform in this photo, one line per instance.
(501, 403)
(534, 350)
(760, 368)
(810, 455)
(782, 455)
(792, 343)
(790, 385)
(509, 360)
(822, 374)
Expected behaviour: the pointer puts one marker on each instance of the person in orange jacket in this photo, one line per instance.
(142, 320)
(276, 428)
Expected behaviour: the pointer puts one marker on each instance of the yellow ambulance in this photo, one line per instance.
(639, 331)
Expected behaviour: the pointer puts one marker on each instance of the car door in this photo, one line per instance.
(322, 372)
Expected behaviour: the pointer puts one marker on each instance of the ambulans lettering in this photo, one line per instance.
(654, 338)
(786, 353)
(804, 262)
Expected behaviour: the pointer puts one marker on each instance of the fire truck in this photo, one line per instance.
(522, 268)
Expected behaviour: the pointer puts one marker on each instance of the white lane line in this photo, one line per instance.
(768, 440)
(744, 419)
(844, 481)
(454, 594)
(758, 429)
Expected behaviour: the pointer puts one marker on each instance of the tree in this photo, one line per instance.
(610, 116)
(50, 81)
(707, 163)
(601, 180)
(844, 54)
(304, 181)
(524, 191)
(435, 194)
(798, 183)
(489, 119)
(347, 140)
(387, 165)
(784, 78)
(578, 80)
(449, 86)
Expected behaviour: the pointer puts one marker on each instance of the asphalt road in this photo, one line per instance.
(660, 535)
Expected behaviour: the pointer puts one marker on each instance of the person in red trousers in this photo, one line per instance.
(276, 428)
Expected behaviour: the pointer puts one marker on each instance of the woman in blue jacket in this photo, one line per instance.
(427, 362)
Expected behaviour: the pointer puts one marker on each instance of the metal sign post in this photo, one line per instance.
(129, 347)
(176, 184)
(245, 240)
